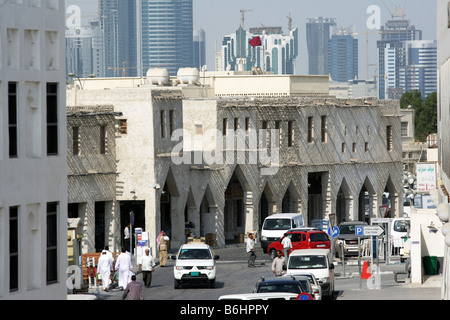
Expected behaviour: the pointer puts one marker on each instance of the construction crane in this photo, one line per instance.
(289, 22)
(398, 12)
(124, 69)
(243, 17)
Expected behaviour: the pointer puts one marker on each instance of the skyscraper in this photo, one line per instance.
(343, 55)
(166, 32)
(317, 39)
(420, 69)
(127, 48)
(84, 50)
(199, 50)
(391, 56)
(108, 12)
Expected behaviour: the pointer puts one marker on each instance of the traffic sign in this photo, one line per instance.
(373, 231)
(304, 296)
(369, 231)
(359, 231)
(335, 232)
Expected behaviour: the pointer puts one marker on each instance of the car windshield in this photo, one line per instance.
(347, 229)
(307, 262)
(401, 226)
(194, 254)
(277, 224)
(280, 287)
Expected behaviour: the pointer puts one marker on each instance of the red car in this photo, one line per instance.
(302, 239)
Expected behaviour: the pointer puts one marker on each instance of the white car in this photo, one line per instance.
(315, 261)
(195, 263)
(315, 285)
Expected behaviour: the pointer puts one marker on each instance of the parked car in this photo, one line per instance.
(347, 241)
(317, 262)
(302, 239)
(195, 263)
(260, 296)
(276, 225)
(280, 284)
(315, 285)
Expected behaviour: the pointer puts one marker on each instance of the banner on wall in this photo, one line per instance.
(426, 176)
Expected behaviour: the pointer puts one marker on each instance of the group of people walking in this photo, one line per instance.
(280, 261)
(124, 269)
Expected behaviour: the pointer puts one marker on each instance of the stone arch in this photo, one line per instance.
(169, 203)
(291, 200)
(236, 205)
(344, 202)
(366, 199)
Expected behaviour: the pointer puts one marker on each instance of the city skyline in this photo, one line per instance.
(218, 19)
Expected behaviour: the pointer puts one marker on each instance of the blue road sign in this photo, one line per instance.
(335, 232)
(359, 231)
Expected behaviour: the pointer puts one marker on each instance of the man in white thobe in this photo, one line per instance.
(104, 266)
(125, 267)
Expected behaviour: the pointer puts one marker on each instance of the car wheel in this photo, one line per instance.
(273, 254)
(212, 283)
(176, 284)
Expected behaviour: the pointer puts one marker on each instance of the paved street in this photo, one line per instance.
(233, 276)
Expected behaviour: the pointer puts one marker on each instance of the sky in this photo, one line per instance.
(219, 17)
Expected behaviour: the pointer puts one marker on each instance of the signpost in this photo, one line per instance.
(367, 231)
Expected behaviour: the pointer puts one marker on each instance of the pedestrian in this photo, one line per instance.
(147, 267)
(279, 264)
(133, 291)
(104, 266)
(125, 267)
(251, 250)
(162, 246)
(287, 245)
(126, 237)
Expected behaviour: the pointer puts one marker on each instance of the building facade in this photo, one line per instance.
(276, 54)
(343, 55)
(420, 69)
(318, 33)
(84, 50)
(166, 34)
(221, 162)
(391, 56)
(33, 151)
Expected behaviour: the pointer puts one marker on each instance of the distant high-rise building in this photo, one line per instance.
(109, 15)
(343, 55)
(318, 31)
(391, 56)
(420, 69)
(166, 32)
(84, 50)
(277, 52)
(127, 48)
(199, 50)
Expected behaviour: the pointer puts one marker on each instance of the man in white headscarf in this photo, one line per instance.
(125, 267)
(104, 267)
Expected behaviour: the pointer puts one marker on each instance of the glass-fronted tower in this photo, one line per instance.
(167, 34)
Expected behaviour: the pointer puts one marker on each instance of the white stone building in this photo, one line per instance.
(331, 152)
(33, 153)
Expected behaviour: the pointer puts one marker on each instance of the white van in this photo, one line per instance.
(315, 261)
(276, 225)
(399, 231)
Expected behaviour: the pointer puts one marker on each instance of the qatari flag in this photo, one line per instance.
(255, 42)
